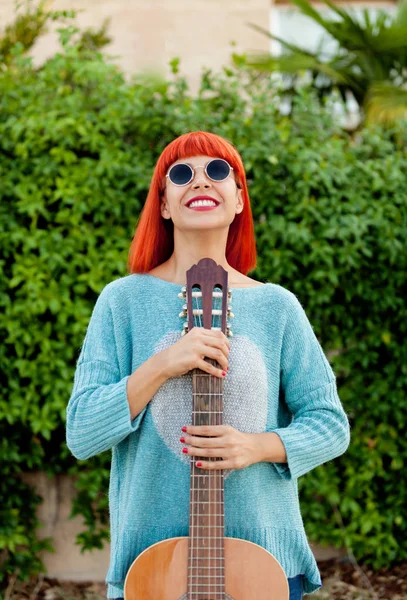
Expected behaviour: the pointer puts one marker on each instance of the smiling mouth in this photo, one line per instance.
(202, 202)
(207, 206)
(208, 200)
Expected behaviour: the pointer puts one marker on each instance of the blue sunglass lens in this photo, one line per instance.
(218, 169)
(180, 174)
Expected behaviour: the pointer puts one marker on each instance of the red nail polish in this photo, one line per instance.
(182, 440)
(185, 450)
(223, 373)
(198, 464)
(183, 429)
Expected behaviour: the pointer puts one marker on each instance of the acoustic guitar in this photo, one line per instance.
(206, 565)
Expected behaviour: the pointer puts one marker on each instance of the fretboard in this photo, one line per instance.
(206, 576)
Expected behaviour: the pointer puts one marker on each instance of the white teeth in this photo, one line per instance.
(202, 203)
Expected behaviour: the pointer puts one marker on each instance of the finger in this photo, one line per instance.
(207, 430)
(215, 465)
(202, 442)
(217, 335)
(208, 452)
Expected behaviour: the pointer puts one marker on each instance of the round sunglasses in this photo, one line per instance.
(216, 169)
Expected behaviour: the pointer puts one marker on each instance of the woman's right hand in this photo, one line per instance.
(190, 350)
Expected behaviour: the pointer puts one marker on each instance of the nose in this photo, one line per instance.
(200, 180)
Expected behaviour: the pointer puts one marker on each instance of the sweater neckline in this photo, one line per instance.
(179, 286)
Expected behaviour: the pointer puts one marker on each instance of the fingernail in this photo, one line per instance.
(182, 440)
(223, 373)
(183, 429)
(185, 450)
(198, 464)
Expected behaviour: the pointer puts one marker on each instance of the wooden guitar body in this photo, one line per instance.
(161, 573)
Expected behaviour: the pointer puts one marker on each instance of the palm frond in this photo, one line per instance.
(385, 103)
(284, 43)
(347, 31)
(372, 51)
(401, 15)
(295, 63)
(307, 9)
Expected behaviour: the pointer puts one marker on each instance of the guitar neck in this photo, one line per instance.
(207, 297)
(206, 522)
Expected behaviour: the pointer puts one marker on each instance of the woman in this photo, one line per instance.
(132, 388)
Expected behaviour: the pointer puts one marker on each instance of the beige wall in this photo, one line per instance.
(67, 563)
(148, 33)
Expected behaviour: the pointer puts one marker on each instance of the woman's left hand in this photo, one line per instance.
(237, 449)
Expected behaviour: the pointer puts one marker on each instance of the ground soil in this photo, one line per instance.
(342, 580)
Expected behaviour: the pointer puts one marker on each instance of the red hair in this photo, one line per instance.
(153, 241)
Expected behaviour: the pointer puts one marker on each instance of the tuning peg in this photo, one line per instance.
(229, 294)
(184, 312)
(229, 332)
(230, 314)
(185, 329)
(183, 292)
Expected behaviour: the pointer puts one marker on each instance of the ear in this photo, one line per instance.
(240, 203)
(165, 213)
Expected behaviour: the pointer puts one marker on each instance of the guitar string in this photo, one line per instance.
(217, 417)
(194, 562)
(196, 420)
(191, 582)
(216, 475)
(207, 480)
(223, 302)
(219, 473)
(213, 474)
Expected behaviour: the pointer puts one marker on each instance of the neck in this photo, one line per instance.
(190, 247)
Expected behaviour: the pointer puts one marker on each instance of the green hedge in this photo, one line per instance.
(78, 143)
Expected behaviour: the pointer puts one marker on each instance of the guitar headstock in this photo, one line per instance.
(207, 298)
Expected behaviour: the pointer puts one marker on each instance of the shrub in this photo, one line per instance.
(77, 148)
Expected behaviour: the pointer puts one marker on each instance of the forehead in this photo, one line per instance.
(194, 161)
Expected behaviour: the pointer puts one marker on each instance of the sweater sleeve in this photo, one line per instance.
(98, 412)
(320, 429)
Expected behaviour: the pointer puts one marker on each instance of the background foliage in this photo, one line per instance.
(78, 144)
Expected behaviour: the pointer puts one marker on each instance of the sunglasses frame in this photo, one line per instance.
(193, 172)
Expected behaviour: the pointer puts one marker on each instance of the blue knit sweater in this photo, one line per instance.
(278, 380)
